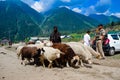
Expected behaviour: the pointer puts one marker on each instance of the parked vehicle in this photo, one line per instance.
(111, 44)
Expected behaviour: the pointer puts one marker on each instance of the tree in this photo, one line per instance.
(112, 24)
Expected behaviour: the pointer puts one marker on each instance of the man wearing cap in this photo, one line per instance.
(99, 39)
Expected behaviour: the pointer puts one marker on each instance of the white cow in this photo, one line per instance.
(18, 50)
(83, 51)
(50, 54)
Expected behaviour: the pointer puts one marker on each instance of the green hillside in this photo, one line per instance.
(19, 21)
(34, 15)
(103, 19)
(67, 21)
(15, 23)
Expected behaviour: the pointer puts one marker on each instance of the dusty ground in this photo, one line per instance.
(11, 69)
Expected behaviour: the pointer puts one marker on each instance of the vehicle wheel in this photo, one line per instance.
(111, 51)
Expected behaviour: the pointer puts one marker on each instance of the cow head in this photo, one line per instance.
(75, 61)
(40, 51)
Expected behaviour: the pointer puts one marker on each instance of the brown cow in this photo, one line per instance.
(69, 56)
(30, 43)
(29, 53)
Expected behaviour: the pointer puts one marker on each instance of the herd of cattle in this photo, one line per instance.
(46, 53)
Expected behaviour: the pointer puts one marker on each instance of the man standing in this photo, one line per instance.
(55, 36)
(87, 38)
(99, 39)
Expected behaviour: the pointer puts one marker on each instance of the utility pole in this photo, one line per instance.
(9, 33)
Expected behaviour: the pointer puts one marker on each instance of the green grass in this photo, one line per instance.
(76, 37)
(116, 56)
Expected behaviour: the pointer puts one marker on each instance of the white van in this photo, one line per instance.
(114, 43)
(111, 44)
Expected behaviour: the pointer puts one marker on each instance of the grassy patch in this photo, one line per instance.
(116, 56)
(76, 37)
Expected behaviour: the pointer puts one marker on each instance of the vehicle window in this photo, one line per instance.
(119, 35)
(115, 37)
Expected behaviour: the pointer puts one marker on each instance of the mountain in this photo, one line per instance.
(67, 21)
(103, 19)
(35, 16)
(18, 21)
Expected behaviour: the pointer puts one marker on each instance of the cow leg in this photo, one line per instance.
(42, 61)
(36, 61)
(25, 62)
(60, 63)
(22, 60)
(89, 62)
(81, 63)
(50, 64)
(28, 60)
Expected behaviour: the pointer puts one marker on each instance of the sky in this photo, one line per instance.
(86, 7)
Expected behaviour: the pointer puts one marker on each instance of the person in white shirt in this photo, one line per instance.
(87, 38)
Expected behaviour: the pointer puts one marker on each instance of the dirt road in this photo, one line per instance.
(11, 69)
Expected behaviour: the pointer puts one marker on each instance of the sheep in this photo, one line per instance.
(88, 48)
(47, 43)
(82, 51)
(18, 50)
(68, 57)
(93, 52)
(16, 45)
(39, 46)
(29, 53)
(38, 42)
(50, 54)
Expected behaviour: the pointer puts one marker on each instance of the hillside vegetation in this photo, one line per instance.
(15, 23)
(79, 36)
(67, 21)
(18, 21)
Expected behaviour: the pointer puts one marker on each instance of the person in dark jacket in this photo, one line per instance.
(55, 36)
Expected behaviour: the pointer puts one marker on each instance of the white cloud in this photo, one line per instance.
(66, 0)
(29, 2)
(38, 6)
(42, 5)
(65, 7)
(90, 10)
(2, 0)
(101, 7)
(77, 10)
(103, 2)
(105, 13)
(116, 14)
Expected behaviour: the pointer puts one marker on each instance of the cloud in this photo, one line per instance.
(2, 0)
(105, 13)
(42, 5)
(29, 2)
(77, 10)
(36, 0)
(38, 6)
(80, 6)
(89, 10)
(65, 7)
(102, 5)
(116, 14)
(103, 2)
(66, 0)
